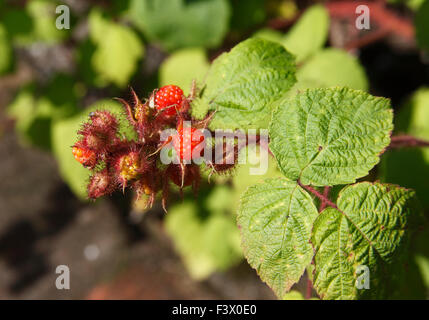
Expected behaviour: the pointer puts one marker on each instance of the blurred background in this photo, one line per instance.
(50, 79)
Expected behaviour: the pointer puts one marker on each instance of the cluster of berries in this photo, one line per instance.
(117, 162)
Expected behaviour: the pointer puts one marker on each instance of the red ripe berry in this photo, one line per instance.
(186, 140)
(86, 157)
(168, 98)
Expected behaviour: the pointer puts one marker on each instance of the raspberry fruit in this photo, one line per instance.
(86, 157)
(186, 140)
(168, 98)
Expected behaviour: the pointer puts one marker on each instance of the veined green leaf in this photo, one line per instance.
(330, 136)
(243, 84)
(369, 230)
(275, 218)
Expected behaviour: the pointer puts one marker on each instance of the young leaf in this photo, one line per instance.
(243, 84)
(275, 218)
(330, 136)
(179, 24)
(184, 66)
(370, 228)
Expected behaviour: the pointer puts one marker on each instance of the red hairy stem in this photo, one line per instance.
(322, 197)
(323, 203)
(404, 141)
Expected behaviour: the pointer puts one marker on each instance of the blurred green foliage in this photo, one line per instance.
(183, 66)
(306, 37)
(422, 25)
(409, 167)
(204, 232)
(5, 51)
(117, 50)
(178, 24)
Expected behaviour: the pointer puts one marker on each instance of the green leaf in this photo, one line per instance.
(204, 234)
(309, 34)
(275, 219)
(184, 66)
(331, 67)
(64, 135)
(5, 51)
(179, 24)
(370, 228)
(118, 49)
(325, 137)
(243, 84)
(422, 25)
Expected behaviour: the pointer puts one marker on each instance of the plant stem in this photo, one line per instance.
(322, 197)
(309, 289)
(407, 141)
(326, 195)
